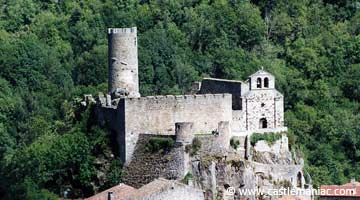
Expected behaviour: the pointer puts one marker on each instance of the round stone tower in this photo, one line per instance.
(184, 132)
(123, 61)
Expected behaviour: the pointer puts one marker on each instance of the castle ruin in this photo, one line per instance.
(215, 112)
(248, 106)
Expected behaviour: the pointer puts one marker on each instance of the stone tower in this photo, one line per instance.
(184, 132)
(123, 61)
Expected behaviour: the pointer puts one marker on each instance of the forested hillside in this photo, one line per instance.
(54, 51)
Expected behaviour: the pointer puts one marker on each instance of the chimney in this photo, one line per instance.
(111, 196)
(353, 180)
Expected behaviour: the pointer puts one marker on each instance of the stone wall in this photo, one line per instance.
(279, 111)
(146, 166)
(238, 121)
(112, 118)
(219, 86)
(158, 115)
(293, 174)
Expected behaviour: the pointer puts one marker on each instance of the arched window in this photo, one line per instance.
(258, 83)
(266, 82)
(263, 123)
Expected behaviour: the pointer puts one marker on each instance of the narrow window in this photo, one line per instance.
(258, 83)
(299, 182)
(266, 82)
(263, 123)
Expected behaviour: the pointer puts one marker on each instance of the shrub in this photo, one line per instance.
(114, 174)
(234, 143)
(186, 178)
(156, 144)
(194, 147)
(270, 138)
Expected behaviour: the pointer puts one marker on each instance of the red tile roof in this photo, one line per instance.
(351, 189)
(120, 192)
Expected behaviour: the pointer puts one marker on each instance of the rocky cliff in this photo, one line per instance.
(207, 166)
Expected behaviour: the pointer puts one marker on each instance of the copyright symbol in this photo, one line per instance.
(230, 190)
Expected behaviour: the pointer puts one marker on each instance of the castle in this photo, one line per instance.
(245, 107)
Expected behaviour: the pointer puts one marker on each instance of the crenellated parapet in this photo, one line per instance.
(180, 97)
(131, 31)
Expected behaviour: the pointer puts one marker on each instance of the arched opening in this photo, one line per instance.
(263, 123)
(298, 181)
(266, 82)
(258, 83)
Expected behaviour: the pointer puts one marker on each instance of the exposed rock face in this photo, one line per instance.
(272, 167)
(215, 168)
(215, 175)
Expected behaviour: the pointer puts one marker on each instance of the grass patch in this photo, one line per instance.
(156, 144)
(270, 138)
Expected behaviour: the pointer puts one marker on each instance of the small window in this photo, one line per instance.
(299, 182)
(258, 83)
(266, 82)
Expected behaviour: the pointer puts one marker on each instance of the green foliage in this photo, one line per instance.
(52, 158)
(270, 138)
(156, 144)
(114, 175)
(186, 178)
(29, 190)
(234, 143)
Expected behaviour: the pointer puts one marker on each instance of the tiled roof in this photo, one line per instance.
(340, 191)
(120, 192)
(355, 183)
(153, 187)
(351, 189)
